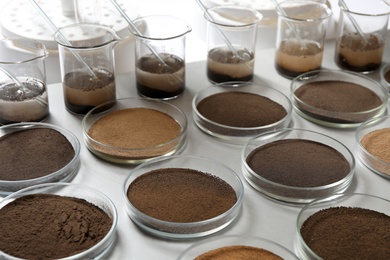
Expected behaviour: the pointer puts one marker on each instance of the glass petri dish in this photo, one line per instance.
(64, 174)
(348, 200)
(371, 140)
(214, 243)
(95, 197)
(239, 129)
(143, 129)
(293, 181)
(385, 76)
(172, 229)
(336, 106)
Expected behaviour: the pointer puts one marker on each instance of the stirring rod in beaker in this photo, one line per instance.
(225, 39)
(281, 10)
(354, 23)
(136, 31)
(63, 38)
(20, 85)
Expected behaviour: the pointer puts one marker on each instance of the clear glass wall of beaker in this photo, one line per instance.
(87, 65)
(160, 56)
(23, 90)
(300, 37)
(231, 43)
(361, 35)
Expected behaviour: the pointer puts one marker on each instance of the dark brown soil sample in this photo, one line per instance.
(328, 99)
(33, 153)
(45, 226)
(240, 109)
(181, 195)
(298, 163)
(348, 233)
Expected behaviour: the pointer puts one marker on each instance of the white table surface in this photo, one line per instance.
(260, 216)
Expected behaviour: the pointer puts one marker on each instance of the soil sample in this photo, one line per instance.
(82, 92)
(154, 80)
(181, 195)
(377, 144)
(240, 109)
(238, 253)
(33, 153)
(298, 163)
(361, 233)
(337, 101)
(29, 104)
(293, 59)
(225, 66)
(355, 54)
(46, 226)
(135, 133)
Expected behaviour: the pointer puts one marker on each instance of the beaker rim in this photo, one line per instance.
(326, 11)
(376, 8)
(248, 16)
(27, 48)
(80, 33)
(154, 23)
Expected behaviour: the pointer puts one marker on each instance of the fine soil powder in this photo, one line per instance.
(238, 253)
(33, 153)
(46, 226)
(332, 96)
(135, 128)
(181, 195)
(348, 233)
(377, 144)
(240, 109)
(298, 163)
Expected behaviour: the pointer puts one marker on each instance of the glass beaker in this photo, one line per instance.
(300, 37)
(87, 65)
(23, 90)
(160, 56)
(361, 35)
(231, 43)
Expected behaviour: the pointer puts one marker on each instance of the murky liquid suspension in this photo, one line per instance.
(158, 81)
(224, 66)
(22, 104)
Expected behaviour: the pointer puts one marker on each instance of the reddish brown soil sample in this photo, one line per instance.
(377, 144)
(33, 153)
(133, 130)
(45, 226)
(181, 195)
(298, 163)
(238, 253)
(348, 233)
(328, 99)
(240, 109)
